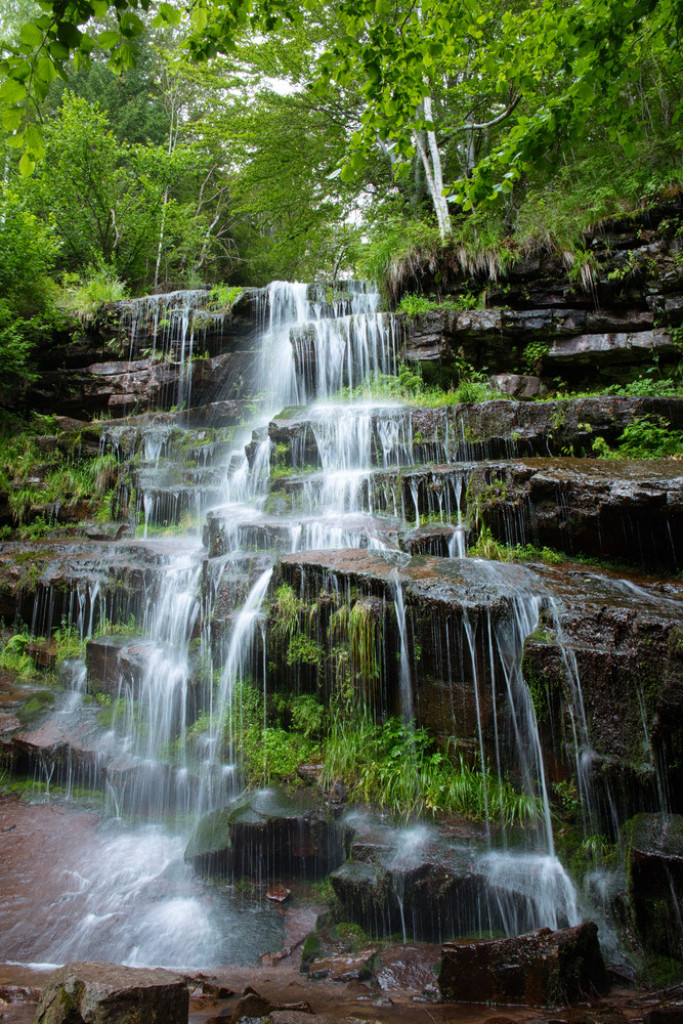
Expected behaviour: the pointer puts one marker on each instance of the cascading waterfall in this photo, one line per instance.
(309, 346)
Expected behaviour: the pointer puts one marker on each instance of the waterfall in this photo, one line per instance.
(189, 635)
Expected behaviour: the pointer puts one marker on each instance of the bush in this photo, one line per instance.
(85, 296)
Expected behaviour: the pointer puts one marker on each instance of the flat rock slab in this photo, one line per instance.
(345, 966)
(98, 993)
(609, 508)
(541, 968)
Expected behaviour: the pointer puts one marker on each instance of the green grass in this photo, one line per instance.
(408, 386)
(86, 295)
(393, 765)
(486, 546)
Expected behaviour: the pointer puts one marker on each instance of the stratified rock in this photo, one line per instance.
(599, 349)
(656, 881)
(610, 508)
(97, 993)
(541, 968)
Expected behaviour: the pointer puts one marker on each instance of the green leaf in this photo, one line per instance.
(58, 51)
(69, 34)
(34, 142)
(12, 91)
(170, 14)
(31, 34)
(26, 166)
(199, 18)
(108, 39)
(45, 70)
(12, 118)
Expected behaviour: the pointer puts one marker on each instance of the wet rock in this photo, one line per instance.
(18, 994)
(610, 508)
(656, 881)
(251, 1005)
(57, 752)
(116, 662)
(609, 655)
(407, 967)
(107, 531)
(431, 884)
(99, 993)
(278, 893)
(542, 968)
(302, 1017)
(601, 349)
(264, 834)
(345, 967)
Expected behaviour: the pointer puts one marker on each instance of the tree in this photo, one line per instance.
(28, 249)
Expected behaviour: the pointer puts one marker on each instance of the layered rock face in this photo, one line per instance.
(341, 563)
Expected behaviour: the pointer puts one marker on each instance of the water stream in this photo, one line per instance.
(132, 899)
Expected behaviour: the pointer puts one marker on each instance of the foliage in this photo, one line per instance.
(486, 546)
(392, 764)
(400, 252)
(646, 437)
(15, 658)
(69, 642)
(414, 305)
(272, 749)
(408, 386)
(28, 250)
(86, 295)
(34, 476)
(223, 297)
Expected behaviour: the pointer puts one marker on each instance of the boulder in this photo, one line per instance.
(100, 993)
(655, 860)
(345, 967)
(518, 385)
(541, 968)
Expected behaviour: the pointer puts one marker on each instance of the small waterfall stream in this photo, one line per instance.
(171, 753)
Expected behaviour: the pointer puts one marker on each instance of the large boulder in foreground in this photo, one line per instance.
(95, 993)
(541, 968)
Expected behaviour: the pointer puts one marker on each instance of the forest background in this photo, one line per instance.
(147, 147)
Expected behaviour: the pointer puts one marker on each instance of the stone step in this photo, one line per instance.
(607, 508)
(486, 430)
(58, 579)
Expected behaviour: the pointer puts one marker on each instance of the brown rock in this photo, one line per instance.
(345, 966)
(251, 1005)
(540, 968)
(518, 385)
(97, 993)
(278, 893)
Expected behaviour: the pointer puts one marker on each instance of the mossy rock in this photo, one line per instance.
(267, 833)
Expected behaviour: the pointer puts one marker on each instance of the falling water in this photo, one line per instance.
(176, 728)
